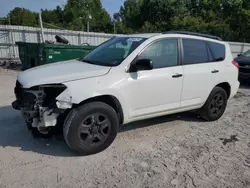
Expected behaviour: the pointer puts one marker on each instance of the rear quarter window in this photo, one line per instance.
(218, 51)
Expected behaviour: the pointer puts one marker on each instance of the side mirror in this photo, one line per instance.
(141, 64)
(239, 55)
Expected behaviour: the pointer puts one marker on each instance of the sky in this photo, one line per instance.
(111, 6)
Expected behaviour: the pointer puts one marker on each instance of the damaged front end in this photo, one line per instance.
(38, 105)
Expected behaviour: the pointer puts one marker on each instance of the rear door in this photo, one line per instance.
(218, 52)
(200, 72)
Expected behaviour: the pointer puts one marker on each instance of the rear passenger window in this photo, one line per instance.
(195, 51)
(218, 51)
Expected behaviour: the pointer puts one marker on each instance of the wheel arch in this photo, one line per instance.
(226, 86)
(109, 100)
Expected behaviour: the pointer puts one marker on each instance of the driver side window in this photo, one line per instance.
(163, 53)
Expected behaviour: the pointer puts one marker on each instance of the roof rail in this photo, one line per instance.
(193, 33)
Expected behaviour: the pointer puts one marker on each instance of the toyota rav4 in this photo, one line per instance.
(125, 79)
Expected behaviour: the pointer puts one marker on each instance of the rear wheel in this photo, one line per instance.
(91, 128)
(215, 105)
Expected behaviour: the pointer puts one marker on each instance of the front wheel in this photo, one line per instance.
(215, 105)
(91, 128)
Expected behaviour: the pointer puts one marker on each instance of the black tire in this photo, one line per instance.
(215, 105)
(91, 128)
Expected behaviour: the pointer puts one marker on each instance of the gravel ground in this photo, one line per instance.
(172, 151)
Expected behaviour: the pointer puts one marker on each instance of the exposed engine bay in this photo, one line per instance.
(38, 104)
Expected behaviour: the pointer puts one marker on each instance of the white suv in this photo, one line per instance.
(125, 79)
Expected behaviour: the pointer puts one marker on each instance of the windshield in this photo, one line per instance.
(246, 54)
(114, 51)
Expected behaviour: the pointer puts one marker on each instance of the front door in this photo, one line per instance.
(156, 91)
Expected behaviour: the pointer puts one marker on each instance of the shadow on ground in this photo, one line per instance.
(186, 116)
(13, 133)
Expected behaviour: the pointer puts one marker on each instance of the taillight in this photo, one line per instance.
(235, 64)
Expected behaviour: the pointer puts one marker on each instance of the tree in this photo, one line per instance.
(229, 19)
(130, 14)
(53, 17)
(4, 21)
(77, 13)
(24, 17)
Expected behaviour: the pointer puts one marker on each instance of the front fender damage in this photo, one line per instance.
(39, 105)
(64, 105)
(50, 116)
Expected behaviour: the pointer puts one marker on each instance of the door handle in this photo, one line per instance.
(177, 75)
(215, 71)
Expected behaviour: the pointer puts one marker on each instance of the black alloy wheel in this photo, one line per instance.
(215, 105)
(91, 128)
(95, 129)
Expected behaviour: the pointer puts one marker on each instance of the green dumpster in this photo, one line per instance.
(35, 54)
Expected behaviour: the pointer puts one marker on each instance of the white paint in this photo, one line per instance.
(60, 72)
(144, 94)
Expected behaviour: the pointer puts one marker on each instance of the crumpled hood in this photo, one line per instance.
(60, 72)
